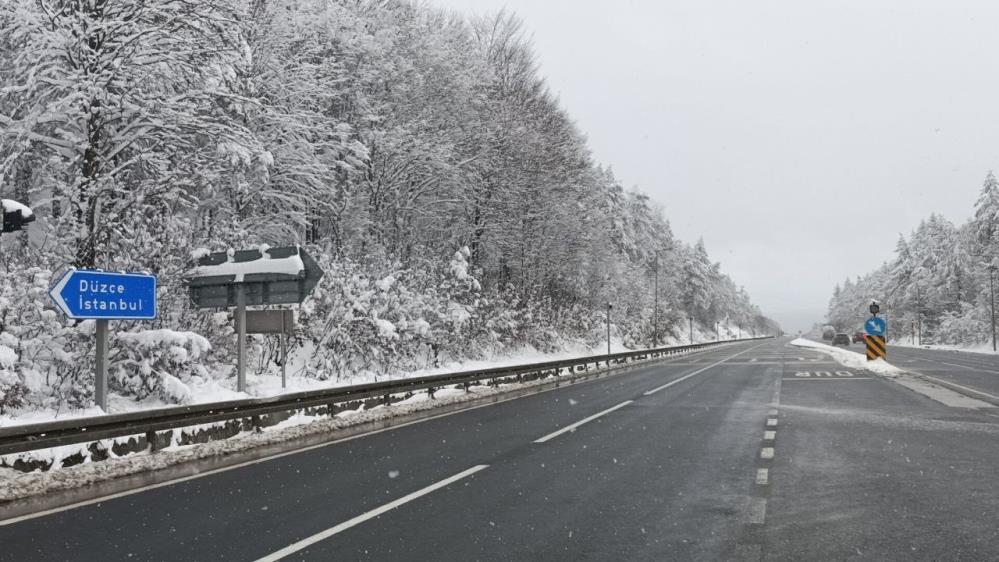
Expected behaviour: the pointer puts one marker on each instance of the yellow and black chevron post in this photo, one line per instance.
(876, 348)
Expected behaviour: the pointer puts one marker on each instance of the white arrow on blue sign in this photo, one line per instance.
(101, 295)
(875, 326)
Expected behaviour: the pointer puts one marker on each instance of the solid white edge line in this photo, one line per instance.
(182, 479)
(307, 542)
(572, 427)
(697, 372)
(961, 386)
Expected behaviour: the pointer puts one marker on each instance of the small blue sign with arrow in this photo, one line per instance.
(875, 326)
(102, 295)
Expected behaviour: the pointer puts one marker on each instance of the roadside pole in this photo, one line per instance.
(609, 307)
(241, 338)
(284, 361)
(655, 322)
(101, 366)
(992, 297)
(691, 320)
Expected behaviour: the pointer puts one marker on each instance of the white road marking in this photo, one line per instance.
(828, 378)
(757, 511)
(572, 427)
(762, 476)
(767, 453)
(305, 543)
(977, 369)
(769, 435)
(771, 422)
(697, 372)
(969, 389)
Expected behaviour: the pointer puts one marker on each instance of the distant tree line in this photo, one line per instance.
(937, 285)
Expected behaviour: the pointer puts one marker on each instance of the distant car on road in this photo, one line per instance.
(841, 339)
(858, 337)
(828, 334)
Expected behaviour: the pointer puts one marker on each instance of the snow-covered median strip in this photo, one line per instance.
(912, 381)
(851, 359)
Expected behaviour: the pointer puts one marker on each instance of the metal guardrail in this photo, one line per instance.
(18, 439)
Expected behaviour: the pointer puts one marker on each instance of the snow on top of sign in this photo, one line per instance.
(291, 265)
(9, 206)
(199, 253)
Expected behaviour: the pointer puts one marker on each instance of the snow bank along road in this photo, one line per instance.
(753, 451)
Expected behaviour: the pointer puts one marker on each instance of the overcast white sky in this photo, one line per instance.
(798, 138)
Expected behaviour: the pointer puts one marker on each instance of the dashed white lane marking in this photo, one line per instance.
(769, 435)
(767, 453)
(758, 511)
(572, 427)
(697, 372)
(305, 543)
(762, 476)
(772, 422)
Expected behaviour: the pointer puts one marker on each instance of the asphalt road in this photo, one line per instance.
(978, 371)
(748, 452)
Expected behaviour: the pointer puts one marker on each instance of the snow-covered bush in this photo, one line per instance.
(12, 389)
(158, 363)
(54, 364)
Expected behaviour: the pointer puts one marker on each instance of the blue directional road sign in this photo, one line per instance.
(102, 295)
(875, 326)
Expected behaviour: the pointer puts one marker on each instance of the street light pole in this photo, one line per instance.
(992, 298)
(655, 315)
(919, 314)
(609, 307)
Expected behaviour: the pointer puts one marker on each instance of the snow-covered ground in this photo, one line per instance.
(985, 348)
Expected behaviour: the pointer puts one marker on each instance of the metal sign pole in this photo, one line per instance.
(284, 361)
(241, 337)
(101, 381)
